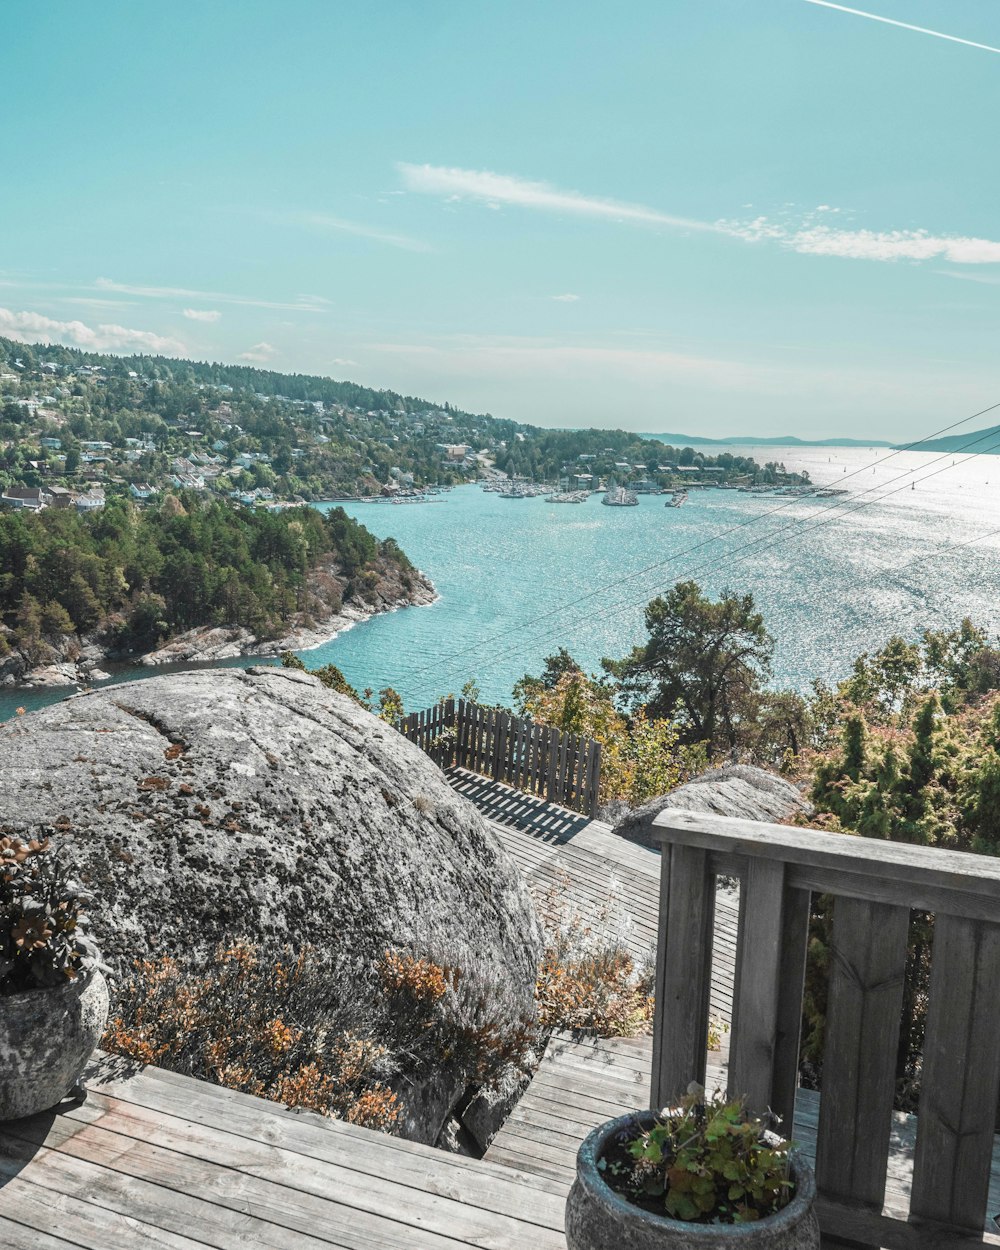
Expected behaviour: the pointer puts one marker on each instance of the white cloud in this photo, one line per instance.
(472, 356)
(566, 299)
(202, 314)
(89, 302)
(814, 239)
(339, 360)
(339, 225)
(259, 353)
(986, 279)
(497, 189)
(808, 236)
(304, 303)
(29, 327)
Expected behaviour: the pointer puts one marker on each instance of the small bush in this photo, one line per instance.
(705, 1162)
(43, 939)
(281, 1027)
(588, 980)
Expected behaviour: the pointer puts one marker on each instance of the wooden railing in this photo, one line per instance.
(562, 768)
(875, 885)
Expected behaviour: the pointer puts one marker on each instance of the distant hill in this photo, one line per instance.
(747, 440)
(980, 442)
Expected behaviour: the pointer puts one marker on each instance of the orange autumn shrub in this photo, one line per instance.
(588, 980)
(280, 1026)
(256, 1021)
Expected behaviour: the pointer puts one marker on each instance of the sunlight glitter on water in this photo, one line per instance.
(833, 577)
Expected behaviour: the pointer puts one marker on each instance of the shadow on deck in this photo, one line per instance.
(521, 811)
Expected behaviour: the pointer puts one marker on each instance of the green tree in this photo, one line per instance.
(703, 665)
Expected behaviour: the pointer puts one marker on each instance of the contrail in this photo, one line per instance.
(922, 30)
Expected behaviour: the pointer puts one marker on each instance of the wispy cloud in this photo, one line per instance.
(487, 355)
(93, 302)
(202, 314)
(985, 278)
(566, 299)
(302, 304)
(812, 237)
(497, 189)
(31, 327)
(891, 21)
(340, 361)
(811, 234)
(339, 225)
(260, 353)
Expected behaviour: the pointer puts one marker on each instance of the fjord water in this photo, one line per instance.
(833, 577)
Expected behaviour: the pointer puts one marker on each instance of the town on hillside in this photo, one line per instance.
(77, 428)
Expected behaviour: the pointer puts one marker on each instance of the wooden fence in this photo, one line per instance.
(559, 767)
(875, 885)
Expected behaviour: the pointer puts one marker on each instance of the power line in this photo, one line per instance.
(800, 525)
(521, 626)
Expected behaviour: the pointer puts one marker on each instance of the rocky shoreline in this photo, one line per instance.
(79, 662)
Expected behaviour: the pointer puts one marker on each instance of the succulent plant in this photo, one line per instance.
(43, 938)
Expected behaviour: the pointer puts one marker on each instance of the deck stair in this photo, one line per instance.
(582, 1082)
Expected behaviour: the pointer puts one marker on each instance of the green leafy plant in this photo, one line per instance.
(43, 941)
(706, 1161)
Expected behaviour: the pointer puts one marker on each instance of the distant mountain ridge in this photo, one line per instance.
(746, 440)
(973, 442)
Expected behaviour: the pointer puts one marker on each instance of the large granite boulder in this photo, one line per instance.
(257, 803)
(732, 790)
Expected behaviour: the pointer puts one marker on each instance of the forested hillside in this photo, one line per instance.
(135, 576)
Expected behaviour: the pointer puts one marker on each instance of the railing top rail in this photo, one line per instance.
(824, 859)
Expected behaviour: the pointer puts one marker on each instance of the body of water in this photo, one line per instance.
(832, 576)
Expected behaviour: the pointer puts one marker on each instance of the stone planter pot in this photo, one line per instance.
(598, 1218)
(46, 1037)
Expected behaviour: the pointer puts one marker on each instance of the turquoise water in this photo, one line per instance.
(517, 578)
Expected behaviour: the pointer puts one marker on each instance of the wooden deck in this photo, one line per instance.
(153, 1159)
(582, 1083)
(581, 863)
(156, 1159)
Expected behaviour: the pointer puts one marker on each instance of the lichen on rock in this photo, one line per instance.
(256, 803)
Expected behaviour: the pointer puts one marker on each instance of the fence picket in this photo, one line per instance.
(562, 768)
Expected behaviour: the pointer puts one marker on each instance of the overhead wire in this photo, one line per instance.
(519, 627)
(800, 525)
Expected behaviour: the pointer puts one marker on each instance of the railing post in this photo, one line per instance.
(961, 1075)
(755, 995)
(865, 999)
(683, 973)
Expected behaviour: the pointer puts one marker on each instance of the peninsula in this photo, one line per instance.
(192, 579)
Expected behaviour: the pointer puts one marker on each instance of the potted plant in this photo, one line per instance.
(702, 1175)
(53, 996)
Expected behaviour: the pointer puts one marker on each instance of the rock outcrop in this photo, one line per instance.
(75, 660)
(733, 790)
(206, 805)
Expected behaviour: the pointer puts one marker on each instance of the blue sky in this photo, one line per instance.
(713, 216)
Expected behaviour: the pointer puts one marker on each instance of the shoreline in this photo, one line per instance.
(207, 644)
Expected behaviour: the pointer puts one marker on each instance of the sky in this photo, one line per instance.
(714, 217)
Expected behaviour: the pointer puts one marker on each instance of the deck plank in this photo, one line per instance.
(157, 1160)
(581, 1083)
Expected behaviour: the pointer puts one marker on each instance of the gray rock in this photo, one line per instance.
(207, 805)
(487, 1110)
(732, 790)
(456, 1140)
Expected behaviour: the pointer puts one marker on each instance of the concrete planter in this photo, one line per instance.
(597, 1218)
(46, 1037)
